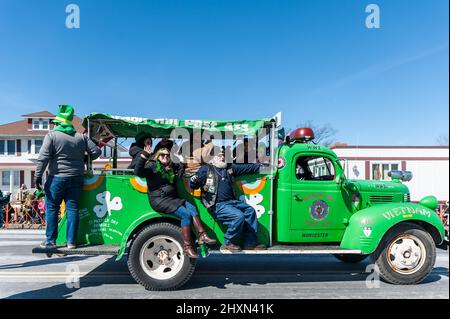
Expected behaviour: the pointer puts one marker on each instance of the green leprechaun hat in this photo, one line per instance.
(65, 114)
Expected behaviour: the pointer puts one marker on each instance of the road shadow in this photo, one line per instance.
(109, 272)
(42, 262)
(262, 270)
(220, 271)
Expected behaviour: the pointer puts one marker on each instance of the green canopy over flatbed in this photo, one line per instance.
(124, 126)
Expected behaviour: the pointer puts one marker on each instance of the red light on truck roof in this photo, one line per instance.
(302, 135)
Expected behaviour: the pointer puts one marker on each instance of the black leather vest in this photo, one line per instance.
(209, 190)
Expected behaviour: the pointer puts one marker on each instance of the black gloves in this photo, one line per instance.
(180, 170)
(38, 183)
(145, 155)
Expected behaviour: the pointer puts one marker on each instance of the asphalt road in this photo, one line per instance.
(24, 275)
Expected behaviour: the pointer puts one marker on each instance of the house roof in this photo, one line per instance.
(20, 128)
(39, 114)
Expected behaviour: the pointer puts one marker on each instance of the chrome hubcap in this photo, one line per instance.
(161, 257)
(406, 254)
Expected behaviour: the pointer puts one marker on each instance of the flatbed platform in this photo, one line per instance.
(291, 249)
(277, 249)
(80, 250)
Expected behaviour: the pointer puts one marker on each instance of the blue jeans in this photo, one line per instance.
(238, 217)
(186, 212)
(58, 189)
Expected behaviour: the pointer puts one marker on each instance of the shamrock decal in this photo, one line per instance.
(254, 201)
(106, 204)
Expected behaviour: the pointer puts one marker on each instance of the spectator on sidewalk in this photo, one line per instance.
(22, 194)
(4, 207)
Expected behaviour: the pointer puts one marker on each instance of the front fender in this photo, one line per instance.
(368, 226)
(142, 219)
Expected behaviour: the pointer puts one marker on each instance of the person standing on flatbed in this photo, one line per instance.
(63, 151)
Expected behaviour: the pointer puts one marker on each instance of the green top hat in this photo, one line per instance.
(65, 114)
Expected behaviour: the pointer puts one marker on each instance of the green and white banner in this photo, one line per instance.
(123, 126)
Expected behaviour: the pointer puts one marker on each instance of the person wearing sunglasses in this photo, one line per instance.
(161, 174)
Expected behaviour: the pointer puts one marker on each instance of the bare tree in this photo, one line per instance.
(442, 139)
(324, 134)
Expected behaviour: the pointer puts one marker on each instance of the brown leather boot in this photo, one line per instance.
(203, 237)
(188, 249)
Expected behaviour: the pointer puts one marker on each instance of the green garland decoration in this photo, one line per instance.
(168, 174)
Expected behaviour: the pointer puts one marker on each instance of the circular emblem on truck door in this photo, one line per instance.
(319, 210)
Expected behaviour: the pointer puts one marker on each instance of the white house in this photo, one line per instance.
(20, 143)
(429, 165)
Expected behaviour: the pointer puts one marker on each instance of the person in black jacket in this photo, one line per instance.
(142, 139)
(161, 175)
(216, 182)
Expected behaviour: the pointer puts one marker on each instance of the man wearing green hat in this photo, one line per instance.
(63, 151)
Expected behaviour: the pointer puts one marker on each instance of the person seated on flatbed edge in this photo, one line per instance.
(216, 183)
(161, 174)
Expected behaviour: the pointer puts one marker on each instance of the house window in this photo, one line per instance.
(29, 146)
(2, 147)
(6, 175)
(36, 124)
(380, 170)
(37, 146)
(33, 184)
(40, 124)
(11, 147)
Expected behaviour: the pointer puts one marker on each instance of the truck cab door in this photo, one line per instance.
(319, 206)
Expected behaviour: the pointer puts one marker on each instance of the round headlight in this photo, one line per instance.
(404, 176)
(407, 176)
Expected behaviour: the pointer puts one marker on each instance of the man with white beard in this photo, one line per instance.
(216, 182)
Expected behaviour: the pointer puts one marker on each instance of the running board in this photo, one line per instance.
(81, 250)
(297, 250)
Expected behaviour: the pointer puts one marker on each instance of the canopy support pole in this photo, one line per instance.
(115, 154)
(89, 161)
(273, 160)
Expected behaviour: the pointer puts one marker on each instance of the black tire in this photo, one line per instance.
(182, 273)
(405, 277)
(351, 258)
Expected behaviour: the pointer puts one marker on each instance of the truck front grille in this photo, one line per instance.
(407, 198)
(379, 199)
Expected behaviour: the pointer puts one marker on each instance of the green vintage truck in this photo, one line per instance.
(304, 203)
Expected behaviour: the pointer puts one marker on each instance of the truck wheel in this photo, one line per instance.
(406, 255)
(156, 259)
(350, 258)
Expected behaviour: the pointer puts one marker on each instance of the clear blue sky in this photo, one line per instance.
(235, 59)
